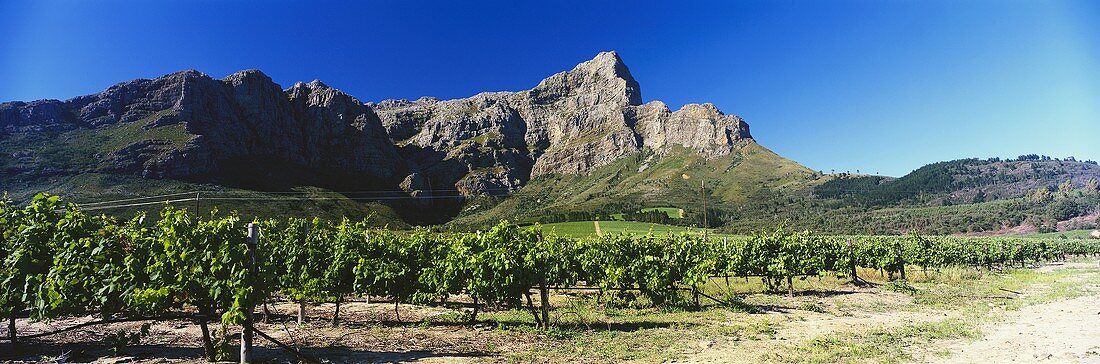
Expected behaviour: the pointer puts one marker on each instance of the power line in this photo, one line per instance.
(272, 199)
(137, 204)
(137, 198)
(380, 192)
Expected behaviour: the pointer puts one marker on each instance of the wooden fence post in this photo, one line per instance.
(246, 329)
(544, 298)
(302, 300)
(11, 329)
(852, 262)
(790, 286)
(695, 296)
(301, 311)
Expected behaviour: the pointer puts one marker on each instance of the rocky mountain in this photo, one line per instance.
(189, 126)
(247, 131)
(569, 124)
(579, 144)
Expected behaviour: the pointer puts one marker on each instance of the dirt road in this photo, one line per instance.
(1057, 332)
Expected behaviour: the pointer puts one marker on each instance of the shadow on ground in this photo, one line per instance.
(46, 352)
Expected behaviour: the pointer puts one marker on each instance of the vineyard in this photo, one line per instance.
(60, 261)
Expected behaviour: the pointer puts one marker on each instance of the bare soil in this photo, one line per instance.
(799, 326)
(368, 332)
(1066, 331)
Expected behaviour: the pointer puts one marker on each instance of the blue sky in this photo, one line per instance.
(878, 86)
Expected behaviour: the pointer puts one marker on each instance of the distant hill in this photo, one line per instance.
(961, 181)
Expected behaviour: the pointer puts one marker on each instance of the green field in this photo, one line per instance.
(586, 228)
(671, 212)
(1070, 234)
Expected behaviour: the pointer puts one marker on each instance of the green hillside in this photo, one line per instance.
(132, 194)
(648, 180)
(586, 228)
(961, 181)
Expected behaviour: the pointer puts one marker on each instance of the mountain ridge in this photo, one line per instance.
(246, 128)
(579, 143)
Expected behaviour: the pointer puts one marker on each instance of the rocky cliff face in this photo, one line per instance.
(189, 126)
(247, 130)
(570, 123)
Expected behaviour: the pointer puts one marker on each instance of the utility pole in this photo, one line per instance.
(703, 194)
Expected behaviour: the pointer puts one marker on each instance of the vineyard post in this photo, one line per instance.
(544, 297)
(11, 328)
(301, 311)
(790, 286)
(246, 329)
(852, 262)
(367, 296)
(901, 256)
(703, 194)
(302, 298)
(695, 296)
(726, 249)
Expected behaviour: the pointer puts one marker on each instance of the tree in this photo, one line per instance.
(1041, 195)
(978, 197)
(1092, 186)
(1065, 188)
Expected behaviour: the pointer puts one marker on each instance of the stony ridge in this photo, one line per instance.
(245, 128)
(570, 123)
(235, 127)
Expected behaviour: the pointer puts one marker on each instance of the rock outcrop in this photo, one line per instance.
(570, 123)
(246, 130)
(235, 130)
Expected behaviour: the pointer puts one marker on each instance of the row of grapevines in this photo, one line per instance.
(60, 260)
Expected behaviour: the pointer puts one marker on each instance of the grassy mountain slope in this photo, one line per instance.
(83, 149)
(648, 179)
(88, 189)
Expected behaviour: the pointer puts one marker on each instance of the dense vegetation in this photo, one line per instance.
(1043, 207)
(59, 261)
(962, 196)
(936, 181)
(744, 191)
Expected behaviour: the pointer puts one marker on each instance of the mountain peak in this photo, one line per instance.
(610, 65)
(249, 74)
(191, 72)
(608, 61)
(602, 79)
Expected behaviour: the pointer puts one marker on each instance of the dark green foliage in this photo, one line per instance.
(843, 187)
(62, 261)
(873, 191)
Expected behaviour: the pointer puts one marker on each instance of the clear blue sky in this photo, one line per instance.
(879, 86)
